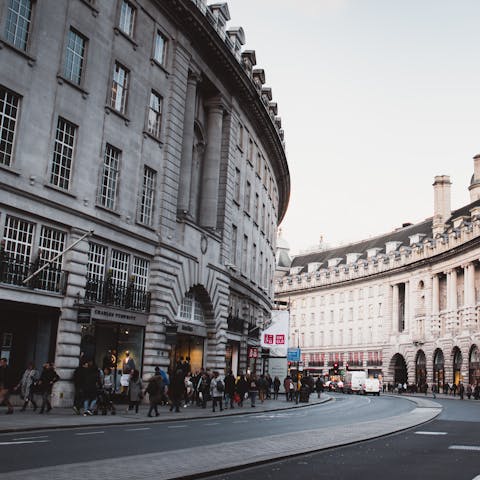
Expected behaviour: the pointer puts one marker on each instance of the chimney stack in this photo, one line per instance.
(441, 203)
(474, 186)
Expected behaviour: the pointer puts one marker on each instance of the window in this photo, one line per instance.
(145, 214)
(119, 267)
(18, 237)
(97, 257)
(19, 17)
(52, 242)
(259, 164)
(127, 18)
(245, 254)
(140, 272)
(234, 244)
(9, 103)
(191, 309)
(160, 50)
(236, 191)
(260, 269)
(248, 195)
(255, 208)
(108, 188)
(63, 154)
(253, 267)
(240, 136)
(118, 99)
(74, 57)
(262, 220)
(155, 114)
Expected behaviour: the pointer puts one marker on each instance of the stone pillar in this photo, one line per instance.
(395, 299)
(187, 145)
(469, 285)
(67, 353)
(211, 168)
(453, 291)
(435, 295)
(407, 314)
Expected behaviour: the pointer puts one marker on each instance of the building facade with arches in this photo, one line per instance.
(404, 305)
(148, 179)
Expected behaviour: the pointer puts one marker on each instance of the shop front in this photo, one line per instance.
(474, 366)
(189, 346)
(253, 354)
(439, 369)
(232, 355)
(114, 339)
(27, 333)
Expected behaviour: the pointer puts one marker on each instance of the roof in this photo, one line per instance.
(400, 235)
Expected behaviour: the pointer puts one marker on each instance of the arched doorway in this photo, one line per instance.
(438, 369)
(457, 365)
(420, 369)
(474, 365)
(399, 366)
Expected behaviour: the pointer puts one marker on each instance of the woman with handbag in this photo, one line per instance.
(134, 391)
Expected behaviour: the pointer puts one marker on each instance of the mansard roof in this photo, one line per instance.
(400, 235)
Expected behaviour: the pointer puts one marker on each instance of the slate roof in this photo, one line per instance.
(400, 235)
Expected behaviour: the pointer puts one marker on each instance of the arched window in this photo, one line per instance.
(191, 309)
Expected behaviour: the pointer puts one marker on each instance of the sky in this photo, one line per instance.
(376, 98)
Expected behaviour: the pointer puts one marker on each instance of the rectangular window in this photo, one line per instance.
(140, 272)
(63, 154)
(108, 188)
(97, 257)
(9, 103)
(18, 238)
(248, 195)
(155, 114)
(260, 269)
(262, 220)
(160, 50)
(118, 99)
(19, 17)
(255, 208)
(253, 267)
(236, 192)
(240, 136)
(259, 164)
(127, 18)
(52, 242)
(245, 254)
(234, 244)
(119, 267)
(74, 57)
(148, 195)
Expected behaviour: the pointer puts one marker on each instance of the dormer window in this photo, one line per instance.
(313, 267)
(295, 270)
(333, 262)
(391, 246)
(373, 252)
(352, 257)
(417, 238)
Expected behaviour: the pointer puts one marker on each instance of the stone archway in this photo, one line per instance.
(439, 369)
(398, 366)
(420, 369)
(457, 365)
(474, 365)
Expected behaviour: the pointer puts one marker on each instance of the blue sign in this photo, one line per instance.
(293, 355)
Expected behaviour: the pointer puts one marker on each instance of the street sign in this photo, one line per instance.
(293, 354)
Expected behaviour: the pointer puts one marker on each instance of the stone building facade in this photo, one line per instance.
(138, 140)
(404, 305)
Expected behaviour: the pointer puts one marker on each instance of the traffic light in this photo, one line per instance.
(335, 368)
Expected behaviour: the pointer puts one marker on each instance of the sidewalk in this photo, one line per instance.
(66, 418)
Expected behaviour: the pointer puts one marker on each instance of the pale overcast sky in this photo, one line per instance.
(376, 98)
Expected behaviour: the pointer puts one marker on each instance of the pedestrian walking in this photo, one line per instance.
(134, 391)
(242, 389)
(217, 389)
(176, 391)
(229, 389)
(5, 385)
(48, 378)
(461, 390)
(89, 384)
(252, 388)
(262, 388)
(469, 391)
(155, 388)
(434, 390)
(276, 387)
(26, 386)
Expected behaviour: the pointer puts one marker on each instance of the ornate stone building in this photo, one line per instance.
(405, 305)
(137, 140)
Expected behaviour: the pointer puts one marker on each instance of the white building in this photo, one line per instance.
(405, 304)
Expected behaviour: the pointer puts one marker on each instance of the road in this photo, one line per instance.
(444, 449)
(112, 445)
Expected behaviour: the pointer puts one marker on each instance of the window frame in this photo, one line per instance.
(151, 190)
(159, 116)
(64, 75)
(101, 195)
(13, 142)
(160, 33)
(125, 89)
(27, 40)
(73, 148)
(133, 20)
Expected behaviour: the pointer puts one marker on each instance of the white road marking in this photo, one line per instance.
(240, 421)
(137, 429)
(30, 438)
(23, 442)
(431, 433)
(210, 424)
(472, 448)
(90, 433)
(477, 477)
(176, 426)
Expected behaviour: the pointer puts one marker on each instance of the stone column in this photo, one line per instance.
(453, 291)
(435, 295)
(211, 167)
(187, 145)
(395, 298)
(469, 285)
(407, 314)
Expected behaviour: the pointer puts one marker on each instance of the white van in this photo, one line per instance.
(355, 381)
(372, 385)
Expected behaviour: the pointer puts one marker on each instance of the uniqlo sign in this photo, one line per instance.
(252, 352)
(279, 339)
(268, 339)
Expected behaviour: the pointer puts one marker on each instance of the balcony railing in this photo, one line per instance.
(14, 272)
(109, 292)
(374, 363)
(235, 324)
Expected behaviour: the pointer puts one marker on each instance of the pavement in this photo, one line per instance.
(202, 461)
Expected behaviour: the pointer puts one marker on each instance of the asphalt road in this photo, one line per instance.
(48, 448)
(446, 448)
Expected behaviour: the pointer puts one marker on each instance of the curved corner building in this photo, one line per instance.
(404, 305)
(138, 141)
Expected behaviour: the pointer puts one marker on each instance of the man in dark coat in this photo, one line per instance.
(5, 385)
(47, 378)
(229, 389)
(176, 390)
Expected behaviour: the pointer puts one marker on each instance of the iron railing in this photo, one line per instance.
(109, 292)
(14, 271)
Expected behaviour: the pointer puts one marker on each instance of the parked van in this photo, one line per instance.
(355, 381)
(372, 385)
